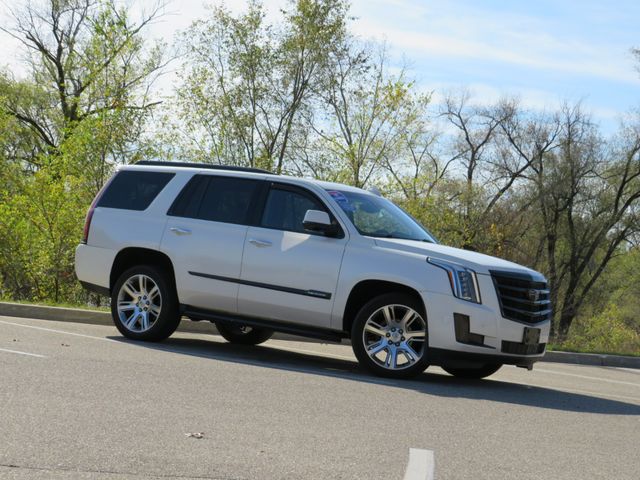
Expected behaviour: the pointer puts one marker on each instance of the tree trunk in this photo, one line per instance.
(567, 314)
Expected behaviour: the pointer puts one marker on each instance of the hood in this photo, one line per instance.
(478, 262)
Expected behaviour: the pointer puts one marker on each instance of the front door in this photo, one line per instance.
(289, 274)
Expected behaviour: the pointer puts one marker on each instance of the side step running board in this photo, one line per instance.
(282, 327)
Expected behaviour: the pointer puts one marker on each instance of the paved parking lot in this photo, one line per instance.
(78, 401)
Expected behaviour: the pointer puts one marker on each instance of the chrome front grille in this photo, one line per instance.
(522, 298)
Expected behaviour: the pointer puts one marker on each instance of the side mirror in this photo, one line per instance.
(319, 221)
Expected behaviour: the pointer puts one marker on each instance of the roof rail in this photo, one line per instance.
(208, 166)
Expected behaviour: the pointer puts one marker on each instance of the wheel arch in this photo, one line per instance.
(130, 256)
(365, 290)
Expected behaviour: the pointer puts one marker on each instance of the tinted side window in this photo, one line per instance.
(227, 199)
(285, 209)
(134, 190)
(188, 202)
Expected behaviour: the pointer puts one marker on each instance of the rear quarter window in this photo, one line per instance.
(188, 201)
(134, 190)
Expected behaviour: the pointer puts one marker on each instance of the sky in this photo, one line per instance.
(542, 51)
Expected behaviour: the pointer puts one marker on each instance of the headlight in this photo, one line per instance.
(464, 283)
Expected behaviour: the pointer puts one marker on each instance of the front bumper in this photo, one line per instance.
(456, 359)
(486, 336)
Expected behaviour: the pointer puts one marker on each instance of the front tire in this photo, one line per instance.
(144, 304)
(476, 373)
(389, 336)
(243, 334)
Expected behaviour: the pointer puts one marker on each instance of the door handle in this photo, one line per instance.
(180, 231)
(259, 243)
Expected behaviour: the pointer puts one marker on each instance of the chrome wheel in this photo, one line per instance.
(139, 303)
(394, 336)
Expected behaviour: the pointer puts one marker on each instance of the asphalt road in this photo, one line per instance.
(78, 401)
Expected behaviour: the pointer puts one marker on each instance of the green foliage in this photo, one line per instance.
(443, 223)
(247, 82)
(606, 332)
(63, 129)
(41, 224)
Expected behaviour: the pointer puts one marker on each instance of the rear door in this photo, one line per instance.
(290, 274)
(204, 237)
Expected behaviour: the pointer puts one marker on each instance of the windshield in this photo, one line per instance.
(375, 216)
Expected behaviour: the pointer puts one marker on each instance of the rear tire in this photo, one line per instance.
(479, 372)
(243, 334)
(389, 336)
(144, 304)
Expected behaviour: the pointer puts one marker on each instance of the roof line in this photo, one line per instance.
(207, 166)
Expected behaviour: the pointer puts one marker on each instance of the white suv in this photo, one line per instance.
(256, 253)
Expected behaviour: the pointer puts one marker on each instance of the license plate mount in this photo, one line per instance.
(531, 336)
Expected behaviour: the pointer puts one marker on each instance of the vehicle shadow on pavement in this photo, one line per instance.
(490, 389)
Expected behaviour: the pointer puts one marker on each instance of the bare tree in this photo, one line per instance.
(416, 166)
(586, 191)
(490, 170)
(368, 111)
(87, 59)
